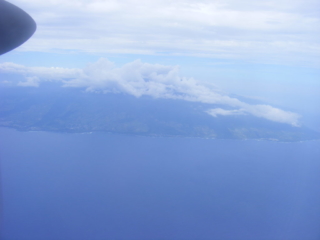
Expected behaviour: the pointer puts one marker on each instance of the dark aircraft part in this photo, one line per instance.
(16, 26)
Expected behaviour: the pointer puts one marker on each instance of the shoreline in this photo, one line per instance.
(155, 135)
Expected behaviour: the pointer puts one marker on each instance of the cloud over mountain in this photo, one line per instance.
(138, 79)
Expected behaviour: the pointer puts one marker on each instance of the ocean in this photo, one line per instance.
(63, 186)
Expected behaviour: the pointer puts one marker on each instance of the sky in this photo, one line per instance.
(265, 50)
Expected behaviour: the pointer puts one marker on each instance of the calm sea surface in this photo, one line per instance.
(58, 186)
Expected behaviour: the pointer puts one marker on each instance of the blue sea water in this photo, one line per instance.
(58, 186)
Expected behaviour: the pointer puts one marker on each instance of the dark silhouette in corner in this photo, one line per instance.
(16, 26)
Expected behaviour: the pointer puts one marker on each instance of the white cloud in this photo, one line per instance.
(44, 73)
(138, 79)
(263, 111)
(219, 111)
(273, 114)
(31, 82)
(270, 31)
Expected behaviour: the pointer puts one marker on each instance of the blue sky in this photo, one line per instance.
(267, 50)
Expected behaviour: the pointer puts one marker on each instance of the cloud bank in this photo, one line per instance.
(264, 31)
(145, 79)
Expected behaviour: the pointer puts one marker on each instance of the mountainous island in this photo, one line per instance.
(71, 110)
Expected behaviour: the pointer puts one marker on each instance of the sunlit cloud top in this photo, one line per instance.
(272, 31)
(145, 79)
